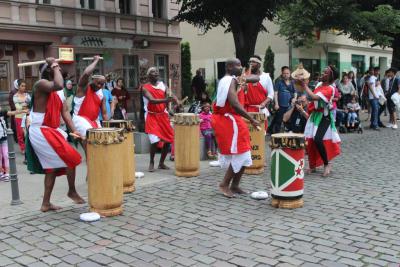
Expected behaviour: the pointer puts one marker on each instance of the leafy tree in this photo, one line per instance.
(244, 18)
(376, 20)
(186, 70)
(269, 60)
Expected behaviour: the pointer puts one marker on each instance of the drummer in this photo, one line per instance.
(47, 150)
(259, 95)
(89, 99)
(231, 132)
(323, 141)
(157, 123)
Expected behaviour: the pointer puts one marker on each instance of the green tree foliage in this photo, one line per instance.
(186, 70)
(269, 60)
(244, 18)
(376, 20)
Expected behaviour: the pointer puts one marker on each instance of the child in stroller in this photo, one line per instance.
(350, 120)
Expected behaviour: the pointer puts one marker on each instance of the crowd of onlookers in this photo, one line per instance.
(369, 93)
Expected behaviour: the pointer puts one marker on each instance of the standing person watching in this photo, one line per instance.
(21, 100)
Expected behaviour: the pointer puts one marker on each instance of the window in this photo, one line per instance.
(312, 65)
(358, 62)
(161, 62)
(125, 7)
(90, 4)
(130, 71)
(82, 64)
(4, 75)
(157, 6)
(46, 2)
(334, 60)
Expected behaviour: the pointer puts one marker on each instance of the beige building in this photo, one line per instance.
(209, 51)
(131, 35)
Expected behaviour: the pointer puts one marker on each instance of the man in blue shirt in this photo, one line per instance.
(109, 100)
(284, 93)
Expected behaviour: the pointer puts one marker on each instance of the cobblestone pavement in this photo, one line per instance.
(349, 219)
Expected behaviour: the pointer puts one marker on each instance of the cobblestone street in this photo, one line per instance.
(349, 219)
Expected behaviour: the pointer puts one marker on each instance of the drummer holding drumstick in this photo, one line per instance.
(231, 132)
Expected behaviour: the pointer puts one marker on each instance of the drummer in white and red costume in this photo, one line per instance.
(88, 101)
(157, 123)
(47, 149)
(231, 132)
(260, 94)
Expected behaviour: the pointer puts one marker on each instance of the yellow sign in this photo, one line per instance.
(66, 54)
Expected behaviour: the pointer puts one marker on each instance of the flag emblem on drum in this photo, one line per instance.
(287, 172)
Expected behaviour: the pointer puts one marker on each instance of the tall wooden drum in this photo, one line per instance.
(257, 141)
(287, 174)
(187, 144)
(105, 174)
(128, 152)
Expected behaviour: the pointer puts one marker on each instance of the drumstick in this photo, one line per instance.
(33, 63)
(91, 58)
(77, 136)
(169, 92)
(258, 128)
(184, 100)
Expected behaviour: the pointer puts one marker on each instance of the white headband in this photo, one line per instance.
(151, 69)
(254, 59)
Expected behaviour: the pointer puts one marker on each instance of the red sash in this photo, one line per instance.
(90, 106)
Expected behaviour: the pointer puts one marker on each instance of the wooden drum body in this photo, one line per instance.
(287, 174)
(187, 144)
(128, 152)
(257, 141)
(105, 174)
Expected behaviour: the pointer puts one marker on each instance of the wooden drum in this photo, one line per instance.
(127, 153)
(187, 144)
(287, 174)
(257, 140)
(105, 172)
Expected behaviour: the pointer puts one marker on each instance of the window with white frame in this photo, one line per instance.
(130, 71)
(158, 8)
(161, 63)
(125, 7)
(45, 2)
(88, 4)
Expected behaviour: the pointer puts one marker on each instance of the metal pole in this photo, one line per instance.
(13, 169)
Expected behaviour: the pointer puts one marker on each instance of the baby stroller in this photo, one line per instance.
(341, 122)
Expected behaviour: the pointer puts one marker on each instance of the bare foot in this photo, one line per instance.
(239, 191)
(225, 190)
(310, 171)
(163, 167)
(327, 170)
(49, 207)
(151, 167)
(76, 197)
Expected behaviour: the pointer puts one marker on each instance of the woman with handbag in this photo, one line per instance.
(323, 141)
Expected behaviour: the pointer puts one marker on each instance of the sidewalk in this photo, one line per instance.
(31, 186)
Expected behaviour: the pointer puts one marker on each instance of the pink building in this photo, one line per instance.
(131, 35)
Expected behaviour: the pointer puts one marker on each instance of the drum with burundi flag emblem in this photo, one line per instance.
(287, 174)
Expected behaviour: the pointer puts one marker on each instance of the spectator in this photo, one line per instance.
(4, 175)
(206, 129)
(109, 104)
(21, 100)
(353, 79)
(296, 117)
(198, 85)
(353, 107)
(364, 92)
(284, 92)
(347, 91)
(393, 86)
(122, 96)
(382, 102)
(109, 85)
(373, 96)
(13, 91)
(69, 93)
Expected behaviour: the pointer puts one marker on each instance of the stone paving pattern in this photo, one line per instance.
(349, 219)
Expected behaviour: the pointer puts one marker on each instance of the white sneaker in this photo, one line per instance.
(389, 125)
(394, 127)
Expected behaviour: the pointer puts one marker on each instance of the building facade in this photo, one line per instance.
(131, 35)
(210, 50)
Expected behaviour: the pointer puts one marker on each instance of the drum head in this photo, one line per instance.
(287, 135)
